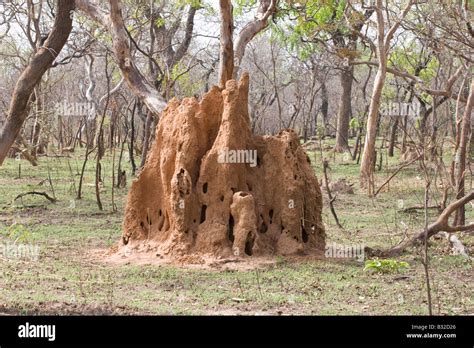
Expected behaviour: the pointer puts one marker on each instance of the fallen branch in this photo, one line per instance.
(56, 156)
(420, 207)
(440, 225)
(44, 194)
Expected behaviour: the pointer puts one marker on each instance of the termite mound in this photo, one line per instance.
(210, 188)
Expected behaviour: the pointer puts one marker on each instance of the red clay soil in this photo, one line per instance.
(193, 202)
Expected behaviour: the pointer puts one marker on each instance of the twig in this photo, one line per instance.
(425, 257)
(331, 197)
(410, 209)
(50, 181)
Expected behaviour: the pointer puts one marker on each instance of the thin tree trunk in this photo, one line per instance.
(35, 139)
(405, 134)
(266, 9)
(100, 140)
(132, 140)
(226, 60)
(393, 137)
(324, 107)
(383, 46)
(81, 178)
(461, 156)
(345, 108)
(368, 156)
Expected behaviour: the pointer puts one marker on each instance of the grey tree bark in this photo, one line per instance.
(345, 110)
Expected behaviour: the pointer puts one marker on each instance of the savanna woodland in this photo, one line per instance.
(236, 157)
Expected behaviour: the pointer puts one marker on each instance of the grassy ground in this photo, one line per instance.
(65, 280)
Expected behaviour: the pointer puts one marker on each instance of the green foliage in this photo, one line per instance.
(418, 123)
(304, 23)
(320, 131)
(159, 22)
(429, 72)
(202, 4)
(389, 91)
(385, 265)
(193, 3)
(116, 76)
(182, 76)
(354, 123)
(408, 58)
(18, 233)
(428, 98)
(240, 6)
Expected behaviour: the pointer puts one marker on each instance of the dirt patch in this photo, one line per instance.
(143, 254)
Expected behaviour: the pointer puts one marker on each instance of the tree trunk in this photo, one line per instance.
(266, 9)
(368, 156)
(461, 158)
(146, 137)
(324, 107)
(393, 137)
(132, 139)
(92, 116)
(383, 46)
(113, 22)
(226, 60)
(345, 109)
(35, 139)
(405, 133)
(31, 76)
(423, 121)
(471, 159)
